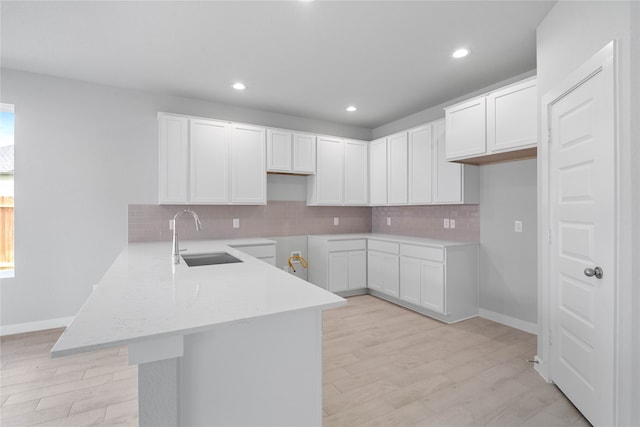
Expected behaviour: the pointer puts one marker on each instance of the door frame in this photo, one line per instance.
(605, 59)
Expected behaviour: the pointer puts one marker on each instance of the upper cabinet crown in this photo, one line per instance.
(290, 152)
(205, 161)
(499, 126)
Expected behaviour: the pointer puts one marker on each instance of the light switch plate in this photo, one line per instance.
(517, 226)
(452, 223)
(171, 224)
(336, 221)
(236, 222)
(388, 220)
(446, 223)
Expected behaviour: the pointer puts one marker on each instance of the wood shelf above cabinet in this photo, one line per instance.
(507, 156)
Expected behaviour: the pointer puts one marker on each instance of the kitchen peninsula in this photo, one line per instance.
(227, 344)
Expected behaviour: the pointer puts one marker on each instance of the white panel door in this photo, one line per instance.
(512, 117)
(582, 218)
(338, 271)
(356, 172)
(378, 172)
(209, 161)
(391, 275)
(397, 169)
(432, 286)
(374, 270)
(248, 165)
(447, 175)
(357, 269)
(173, 150)
(330, 171)
(466, 129)
(304, 153)
(278, 150)
(420, 165)
(410, 280)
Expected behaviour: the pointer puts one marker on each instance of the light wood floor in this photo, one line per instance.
(383, 366)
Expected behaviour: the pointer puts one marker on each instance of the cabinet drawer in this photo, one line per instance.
(422, 252)
(261, 251)
(347, 245)
(389, 247)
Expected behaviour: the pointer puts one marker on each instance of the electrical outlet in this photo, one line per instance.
(336, 221)
(236, 222)
(446, 223)
(388, 220)
(296, 253)
(172, 224)
(517, 226)
(452, 223)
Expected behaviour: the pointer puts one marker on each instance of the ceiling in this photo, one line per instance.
(309, 59)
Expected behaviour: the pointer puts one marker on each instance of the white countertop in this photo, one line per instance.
(393, 238)
(144, 296)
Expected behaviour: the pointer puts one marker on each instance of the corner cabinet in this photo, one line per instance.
(341, 173)
(499, 126)
(338, 264)
(204, 161)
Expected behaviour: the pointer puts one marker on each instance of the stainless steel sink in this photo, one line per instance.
(212, 258)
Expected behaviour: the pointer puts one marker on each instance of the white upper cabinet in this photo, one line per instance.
(209, 154)
(289, 152)
(420, 165)
(304, 153)
(397, 151)
(356, 172)
(466, 129)
(174, 159)
(279, 151)
(378, 172)
(499, 126)
(248, 174)
(512, 117)
(210, 162)
(326, 187)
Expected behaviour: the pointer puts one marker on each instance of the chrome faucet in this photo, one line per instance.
(175, 254)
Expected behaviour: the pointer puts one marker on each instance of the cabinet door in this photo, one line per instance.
(330, 171)
(374, 270)
(390, 275)
(357, 269)
(447, 176)
(278, 150)
(355, 172)
(248, 174)
(398, 169)
(512, 117)
(209, 160)
(466, 129)
(432, 279)
(420, 165)
(338, 271)
(410, 269)
(304, 153)
(378, 172)
(173, 150)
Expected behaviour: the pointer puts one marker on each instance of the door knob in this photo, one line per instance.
(590, 272)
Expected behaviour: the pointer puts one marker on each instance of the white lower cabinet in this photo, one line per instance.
(383, 271)
(337, 264)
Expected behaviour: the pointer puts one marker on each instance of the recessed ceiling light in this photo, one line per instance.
(239, 86)
(351, 108)
(461, 53)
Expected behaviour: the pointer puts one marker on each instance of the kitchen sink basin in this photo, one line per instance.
(212, 258)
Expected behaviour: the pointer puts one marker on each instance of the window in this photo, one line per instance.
(6, 190)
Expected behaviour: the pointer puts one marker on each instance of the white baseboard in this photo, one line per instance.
(41, 325)
(532, 328)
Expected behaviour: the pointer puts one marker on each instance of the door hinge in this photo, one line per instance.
(550, 341)
(549, 135)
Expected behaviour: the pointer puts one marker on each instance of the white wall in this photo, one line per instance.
(83, 153)
(570, 34)
(508, 260)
